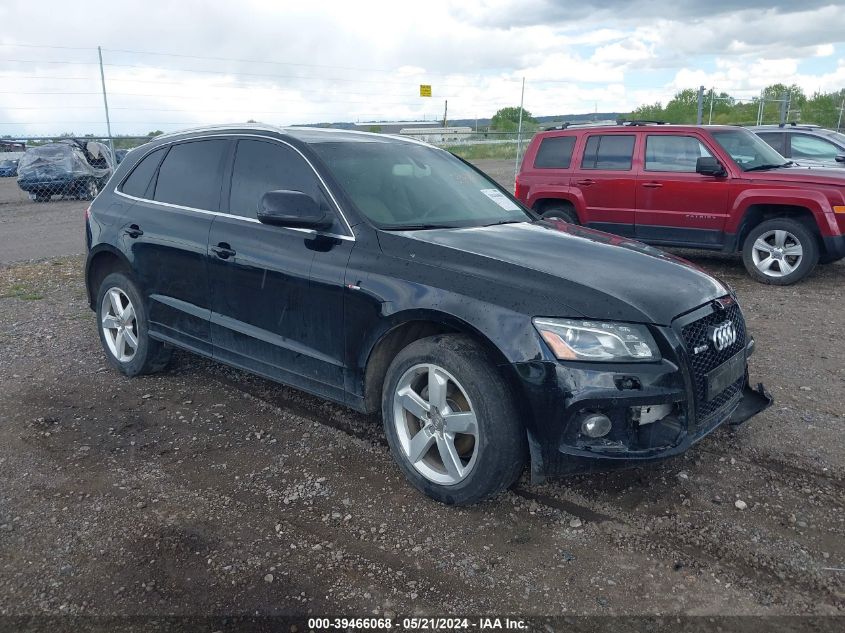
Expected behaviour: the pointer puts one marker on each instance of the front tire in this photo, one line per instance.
(780, 252)
(124, 329)
(451, 421)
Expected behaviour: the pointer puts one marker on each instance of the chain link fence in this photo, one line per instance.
(61, 168)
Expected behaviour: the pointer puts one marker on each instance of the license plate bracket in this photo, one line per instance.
(725, 375)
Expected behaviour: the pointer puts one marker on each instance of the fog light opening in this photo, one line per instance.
(595, 425)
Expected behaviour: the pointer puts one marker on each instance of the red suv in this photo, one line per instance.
(715, 187)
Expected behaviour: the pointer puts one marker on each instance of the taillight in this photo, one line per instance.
(520, 190)
(88, 213)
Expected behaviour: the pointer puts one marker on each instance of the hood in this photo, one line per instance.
(816, 175)
(565, 270)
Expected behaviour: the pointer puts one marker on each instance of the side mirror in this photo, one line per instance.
(294, 209)
(709, 166)
(840, 158)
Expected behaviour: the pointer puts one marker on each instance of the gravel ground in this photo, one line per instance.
(203, 490)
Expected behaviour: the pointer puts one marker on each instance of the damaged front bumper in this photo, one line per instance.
(650, 409)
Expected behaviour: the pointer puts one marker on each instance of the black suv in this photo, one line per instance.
(383, 273)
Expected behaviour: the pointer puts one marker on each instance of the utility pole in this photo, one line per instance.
(519, 132)
(700, 112)
(445, 111)
(783, 107)
(712, 97)
(839, 122)
(106, 105)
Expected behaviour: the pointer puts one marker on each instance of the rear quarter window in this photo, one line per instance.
(139, 183)
(555, 152)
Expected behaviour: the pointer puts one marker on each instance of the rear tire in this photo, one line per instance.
(780, 252)
(563, 211)
(124, 329)
(451, 421)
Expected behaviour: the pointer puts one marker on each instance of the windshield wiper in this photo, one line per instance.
(508, 222)
(417, 227)
(768, 166)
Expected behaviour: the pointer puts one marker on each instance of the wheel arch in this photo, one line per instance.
(760, 212)
(102, 261)
(404, 329)
(543, 204)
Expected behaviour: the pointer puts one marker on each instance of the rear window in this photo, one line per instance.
(609, 151)
(139, 181)
(191, 175)
(555, 152)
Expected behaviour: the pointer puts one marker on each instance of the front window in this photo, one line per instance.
(408, 186)
(675, 153)
(813, 147)
(748, 150)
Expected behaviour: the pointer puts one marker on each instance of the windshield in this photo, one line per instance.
(839, 138)
(408, 186)
(748, 150)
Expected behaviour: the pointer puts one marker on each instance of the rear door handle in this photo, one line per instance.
(134, 231)
(652, 185)
(586, 182)
(223, 250)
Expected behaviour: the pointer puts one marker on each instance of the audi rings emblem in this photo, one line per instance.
(723, 335)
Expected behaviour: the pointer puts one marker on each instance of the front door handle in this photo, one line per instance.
(223, 250)
(652, 185)
(134, 231)
(586, 182)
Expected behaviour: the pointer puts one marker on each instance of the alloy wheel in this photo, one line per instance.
(777, 253)
(120, 325)
(436, 424)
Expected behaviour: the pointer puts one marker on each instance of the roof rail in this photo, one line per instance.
(635, 122)
(567, 125)
(798, 124)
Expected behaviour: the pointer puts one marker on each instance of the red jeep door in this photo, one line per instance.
(605, 180)
(675, 205)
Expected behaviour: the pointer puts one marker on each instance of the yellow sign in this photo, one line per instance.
(425, 90)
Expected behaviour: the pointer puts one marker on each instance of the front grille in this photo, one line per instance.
(695, 335)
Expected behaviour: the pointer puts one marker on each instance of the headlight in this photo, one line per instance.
(597, 340)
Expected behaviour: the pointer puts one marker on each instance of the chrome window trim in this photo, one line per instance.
(236, 135)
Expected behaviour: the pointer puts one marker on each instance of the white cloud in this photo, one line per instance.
(365, 60)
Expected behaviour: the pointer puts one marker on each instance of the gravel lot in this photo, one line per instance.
(204, 490)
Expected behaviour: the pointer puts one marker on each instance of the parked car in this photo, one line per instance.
(715, 187)
(386, 274)
(8, 167)
(67, 168)
(805, 144)
(120, 154)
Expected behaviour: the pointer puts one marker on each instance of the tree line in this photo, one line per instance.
(821, 108)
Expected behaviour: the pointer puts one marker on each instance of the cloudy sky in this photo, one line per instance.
(173, 64)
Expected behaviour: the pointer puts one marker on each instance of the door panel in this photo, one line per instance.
(606, 181)
(674, 203)
(166, 233)
(277, 293)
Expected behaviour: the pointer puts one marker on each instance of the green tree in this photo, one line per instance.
(653, 112)
(683, 107)
(507, 120)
